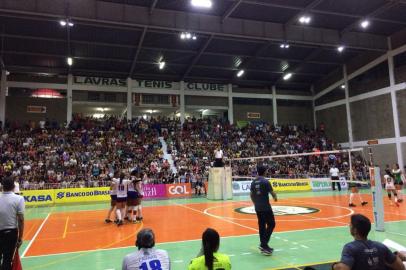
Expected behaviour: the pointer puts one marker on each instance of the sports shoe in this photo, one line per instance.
(397, 204)
(108, 220)
(267, 251)
(364, 203)
(120, 223)
(400, 200)
(352, 205)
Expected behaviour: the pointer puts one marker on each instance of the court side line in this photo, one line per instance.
(65, 231)
(221, 218)
(35, 235)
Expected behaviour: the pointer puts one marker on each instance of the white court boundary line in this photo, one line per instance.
(292, 220)
(35, 235)
(193, 240)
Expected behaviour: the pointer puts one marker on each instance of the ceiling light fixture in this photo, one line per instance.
(285, 46)
(305, 19)
(240, 73)
(194, 37)
(287, 76)
(343, 86)
(364, 24)
(162, 64)
(69, 60)
(187, 35)
(66, 22)
(340, 48)
(182, 35)
(202, 3)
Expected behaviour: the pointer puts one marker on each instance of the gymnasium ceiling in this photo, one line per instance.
(127, 38)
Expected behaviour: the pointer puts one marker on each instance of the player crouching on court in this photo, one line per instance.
(354, 190)
(146, 257)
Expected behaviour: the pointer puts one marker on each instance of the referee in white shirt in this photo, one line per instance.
(335, 177)
(11, 223)
(218, 154)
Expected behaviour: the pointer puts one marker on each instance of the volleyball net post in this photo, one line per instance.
(375, 180)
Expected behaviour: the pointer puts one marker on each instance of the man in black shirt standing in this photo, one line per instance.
(260, 189)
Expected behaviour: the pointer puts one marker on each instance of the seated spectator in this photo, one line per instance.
(364, 254)
(209, 257)
(146, 257)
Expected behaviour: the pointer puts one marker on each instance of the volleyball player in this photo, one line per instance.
(397, 173)
(113, 199)
(354, 190)
(138, 201)
(122, 188)
(132, 196)
(390, 188)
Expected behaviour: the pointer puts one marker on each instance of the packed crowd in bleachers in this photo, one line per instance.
(89, 151)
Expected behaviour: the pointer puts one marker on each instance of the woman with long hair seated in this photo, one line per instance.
(209, 258)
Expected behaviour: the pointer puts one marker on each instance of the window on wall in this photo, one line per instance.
(155, 99)
(400, 67)
(110, 97)
(93, 96)
(373, 79)
(252, 101)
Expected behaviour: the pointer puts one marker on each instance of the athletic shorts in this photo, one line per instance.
(334, 178)
(121, 199)
(399, 182)
(113, 197)
(132, 194)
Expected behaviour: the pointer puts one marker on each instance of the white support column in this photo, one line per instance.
(274, 106)
(347, 107)
(3, 90)
(395, 107)
(182, 102)
(69, 99)
(230, 104)
(129, 99)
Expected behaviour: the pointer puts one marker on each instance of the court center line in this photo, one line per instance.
(66, 228)
(35, 235)
(217, 217)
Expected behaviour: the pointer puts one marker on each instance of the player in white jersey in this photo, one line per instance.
(122, 188)
(390, 188)
(146, 257)
(132, 196)
(138, 187)
(113, 196)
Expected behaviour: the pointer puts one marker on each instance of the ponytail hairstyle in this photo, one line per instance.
(211, 243)
(121, 178)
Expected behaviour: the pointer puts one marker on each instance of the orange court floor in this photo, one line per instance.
(73, 230)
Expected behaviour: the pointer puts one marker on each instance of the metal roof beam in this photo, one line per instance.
(170, 20)
(152, 7)
(137, 52)
(196, 58)
(370, 15)
(317, 11)
(230, 11)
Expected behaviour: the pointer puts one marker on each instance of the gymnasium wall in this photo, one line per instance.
(240, 112)
(206, 100)
(383, 154)
(16, 109)
(372, 118)
(401, 102)
(295, 112)
(335, 122)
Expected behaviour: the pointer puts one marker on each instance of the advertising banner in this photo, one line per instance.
(38, 197)
(154, 191)
(178, 190)
(74, 195)
(291, 184)
(319, 184)
(241, 187)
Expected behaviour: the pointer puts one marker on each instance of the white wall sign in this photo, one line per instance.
(205, 87)
(99, 81)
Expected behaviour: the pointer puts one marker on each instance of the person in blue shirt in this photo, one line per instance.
(260, 189)
(364, 254)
